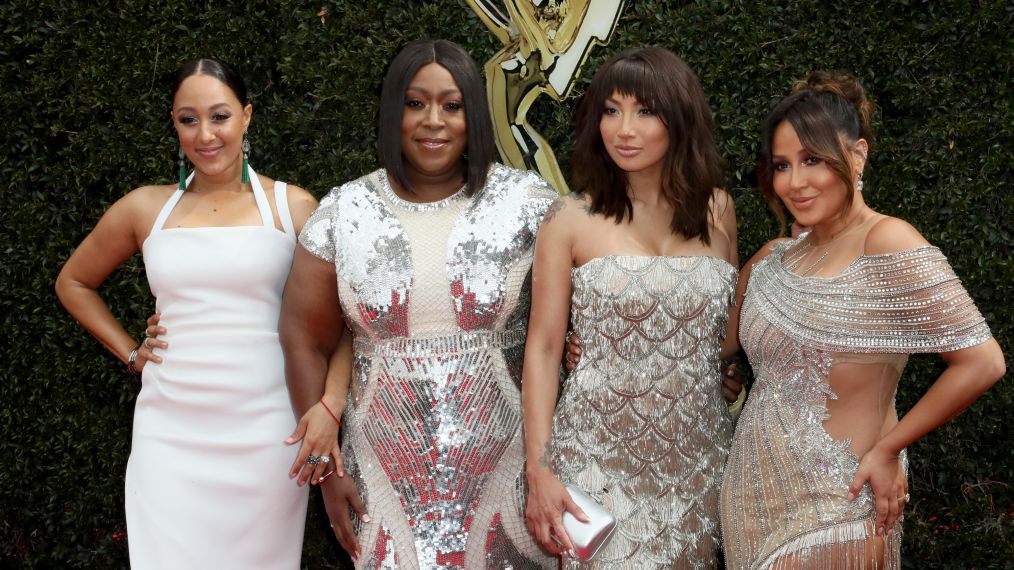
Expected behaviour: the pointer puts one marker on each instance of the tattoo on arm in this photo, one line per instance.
(544, 458)
(554, 208)
(581, 200)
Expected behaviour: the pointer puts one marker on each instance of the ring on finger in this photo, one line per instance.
(325, 459)
(904, 498)
(313, 460)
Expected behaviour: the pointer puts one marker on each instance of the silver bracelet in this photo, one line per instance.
(131, 360)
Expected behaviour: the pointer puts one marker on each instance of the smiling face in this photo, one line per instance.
(633, 135)
(434, 133)
(210, 122)
(809, 188)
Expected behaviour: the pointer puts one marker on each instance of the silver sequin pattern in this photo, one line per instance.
(786, 480)
(433, 425)
(642, 425)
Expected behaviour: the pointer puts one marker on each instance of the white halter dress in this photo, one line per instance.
(207, 481)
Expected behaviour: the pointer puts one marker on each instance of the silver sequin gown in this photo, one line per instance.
(438, 296)
(641, 424)
(784, 495)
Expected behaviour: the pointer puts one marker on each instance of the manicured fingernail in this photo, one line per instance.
(365, 517)
(341, 473)
(850, 496)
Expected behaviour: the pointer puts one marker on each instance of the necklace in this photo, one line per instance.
(807, 249)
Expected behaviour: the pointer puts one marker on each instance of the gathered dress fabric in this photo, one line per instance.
(642, 425)
(207, 483)
(827, 353)
(437, 295)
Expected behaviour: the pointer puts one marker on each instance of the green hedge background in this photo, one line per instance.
(85, 117)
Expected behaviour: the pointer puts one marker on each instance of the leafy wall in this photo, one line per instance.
(85, 118)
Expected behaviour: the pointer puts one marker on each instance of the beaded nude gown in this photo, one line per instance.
(438, 296)
(641, 424)
(827, 352)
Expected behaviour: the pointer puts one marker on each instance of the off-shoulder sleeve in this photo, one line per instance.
(319, 236)
(905, 302)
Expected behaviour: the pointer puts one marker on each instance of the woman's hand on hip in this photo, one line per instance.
(150, 342)
(882, 469)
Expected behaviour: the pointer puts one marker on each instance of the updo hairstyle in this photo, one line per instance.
(829, 112)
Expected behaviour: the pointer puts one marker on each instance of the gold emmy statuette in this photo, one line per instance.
(545, 44)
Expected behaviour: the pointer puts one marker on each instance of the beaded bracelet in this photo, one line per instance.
(330, 412)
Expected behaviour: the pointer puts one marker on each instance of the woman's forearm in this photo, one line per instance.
(970, 373)
(89, 309)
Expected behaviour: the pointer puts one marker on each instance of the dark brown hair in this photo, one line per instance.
(823, 109)
(214, 68)
(692, 169)
(480, 149)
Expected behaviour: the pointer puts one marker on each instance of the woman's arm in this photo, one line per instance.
(723, 212)
(310, 327)
(111, 243)
(551, 289)
(969, 373)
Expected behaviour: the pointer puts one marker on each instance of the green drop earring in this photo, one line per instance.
(183, 171)
(246, 160)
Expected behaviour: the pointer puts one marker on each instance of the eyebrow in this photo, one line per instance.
(213, 107)
(427, 91)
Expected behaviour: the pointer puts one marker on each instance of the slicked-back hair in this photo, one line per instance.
(692, 167)
(826, 110)
(214, 68)
(480, 149)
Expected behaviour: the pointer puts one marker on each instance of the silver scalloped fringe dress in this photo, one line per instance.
(817, 343)
(438, 296)
(641, 424)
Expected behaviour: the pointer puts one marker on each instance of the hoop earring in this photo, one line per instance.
(183, 171)
(246, 159)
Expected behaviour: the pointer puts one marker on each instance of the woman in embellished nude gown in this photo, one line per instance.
(815, 477)
(643, 260)
(428, 261)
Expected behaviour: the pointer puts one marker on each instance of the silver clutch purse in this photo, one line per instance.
(590, 537)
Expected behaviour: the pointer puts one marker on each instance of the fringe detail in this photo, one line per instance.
(844, 546)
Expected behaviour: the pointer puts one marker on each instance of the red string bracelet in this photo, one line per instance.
(330, 412)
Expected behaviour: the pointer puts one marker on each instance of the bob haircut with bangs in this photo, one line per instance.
(692, 169)
(480, 150)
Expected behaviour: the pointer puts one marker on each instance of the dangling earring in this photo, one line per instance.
(246, 159)
(183, 171)
(859, 183)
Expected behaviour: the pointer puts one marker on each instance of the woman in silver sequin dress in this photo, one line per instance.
(644, 263)
(815, 477)
(428, 261)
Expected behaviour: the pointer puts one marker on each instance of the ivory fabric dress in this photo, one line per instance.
(438, 296)
(641, 424)
(207, 480)
(815, 343)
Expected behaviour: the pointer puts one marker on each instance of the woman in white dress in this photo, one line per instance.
(203, 484)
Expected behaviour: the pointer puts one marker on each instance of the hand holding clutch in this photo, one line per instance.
(590, 537)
